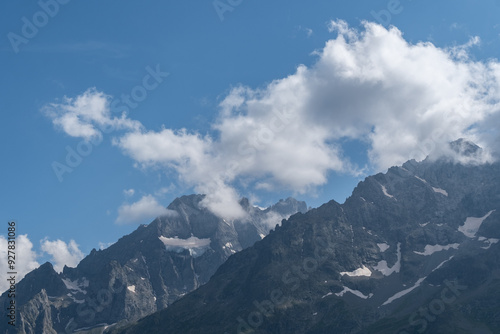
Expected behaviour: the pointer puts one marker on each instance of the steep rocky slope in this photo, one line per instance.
(142, 272)
(413, 250)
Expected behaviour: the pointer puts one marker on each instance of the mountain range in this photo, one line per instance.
(413, 250)
(141, 273)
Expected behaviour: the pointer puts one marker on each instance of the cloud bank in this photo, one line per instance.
(401, 100)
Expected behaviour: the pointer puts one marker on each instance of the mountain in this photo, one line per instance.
(413, 250)
(142, 272)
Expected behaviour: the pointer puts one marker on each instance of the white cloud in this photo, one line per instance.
(63, 254)
(142, 211)
(104, 245)
(25, 259)
(273, 218)
(165, 190)
(309, 32)
(129, 192)
(403, 100)
(86, 114)
(174, 148)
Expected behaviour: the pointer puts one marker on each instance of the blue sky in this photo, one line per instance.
(233, 53)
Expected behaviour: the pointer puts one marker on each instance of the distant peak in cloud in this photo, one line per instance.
(462, 151)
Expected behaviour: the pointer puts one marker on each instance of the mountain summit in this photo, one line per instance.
(465, 148)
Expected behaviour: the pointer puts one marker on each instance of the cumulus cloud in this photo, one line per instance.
(63, 254)
(402, 100)
(25, 259)
(144, 210)
(86, 115)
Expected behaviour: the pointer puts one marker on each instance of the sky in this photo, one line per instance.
(109, 111)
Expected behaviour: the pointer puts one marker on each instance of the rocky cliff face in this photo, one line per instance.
(141, 273)
(411, 251)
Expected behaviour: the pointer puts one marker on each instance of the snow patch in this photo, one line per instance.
(490, 242)
(383, 247)
(442, 263)
(107, 326)
(228, 245)
(440, 191)
(421, 179)
(91, 327)
(358, 272)
(384, 268)
(404, 292)
(472, 225)
(131, 288)
(384, 190)
(354, 292)
(328, 294)
(431, 249)
(195, 246)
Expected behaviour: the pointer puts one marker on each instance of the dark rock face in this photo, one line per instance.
(465, 148)
(141, 273)
(411, 251)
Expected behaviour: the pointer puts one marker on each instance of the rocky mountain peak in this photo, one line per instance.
(465, 148)
(142, 272)
(288, 205)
